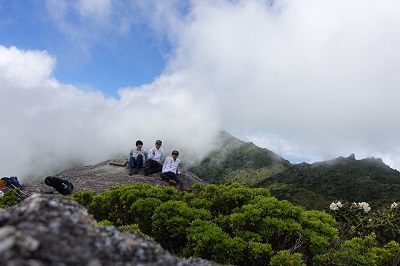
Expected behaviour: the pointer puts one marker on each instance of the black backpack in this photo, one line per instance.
(62, 186)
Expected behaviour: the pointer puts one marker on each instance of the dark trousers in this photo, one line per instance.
(136, 163)
(170, 175)
(153, 166)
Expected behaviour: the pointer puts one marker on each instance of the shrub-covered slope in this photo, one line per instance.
(239, 161)
(314, 186)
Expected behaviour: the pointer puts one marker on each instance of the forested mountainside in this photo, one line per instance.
(312, 186)
(234, 160)
(315, 186)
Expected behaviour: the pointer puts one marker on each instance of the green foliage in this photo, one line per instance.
(319, 230)
(284, 258)
(142, 211)
(9, 199)
(356, 221)
(84, 198)
(224, 199)
(251, 176)
(104, 223)
(259, 253)
(170, 221)
(233, 157)
(362, 251)
(314, 186)
(233, 224)
(115, 204)
(131, 227)
(208, 241)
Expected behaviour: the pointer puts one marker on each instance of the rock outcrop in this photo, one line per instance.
(48, 230)
(103, 176)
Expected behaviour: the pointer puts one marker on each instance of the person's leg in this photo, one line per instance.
(148, 165)
(152, 167)
(138, 163)
(157, 167)
(131, 165)
(164, 176)
(174, 177)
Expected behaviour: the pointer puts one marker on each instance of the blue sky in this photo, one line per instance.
(82, 80)
(100, 61)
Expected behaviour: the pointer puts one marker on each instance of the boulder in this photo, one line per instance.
(49, 230)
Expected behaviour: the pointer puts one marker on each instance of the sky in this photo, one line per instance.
(82, 80)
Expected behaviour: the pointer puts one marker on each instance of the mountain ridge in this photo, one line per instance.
(309, 185)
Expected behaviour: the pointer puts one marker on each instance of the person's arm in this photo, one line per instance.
(165, 166)
(161, 155)
(150, 155)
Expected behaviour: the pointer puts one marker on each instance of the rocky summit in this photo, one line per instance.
(103, 176)
(49, 230)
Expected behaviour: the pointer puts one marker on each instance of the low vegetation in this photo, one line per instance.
(233, 224)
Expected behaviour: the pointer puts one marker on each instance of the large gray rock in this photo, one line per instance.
(48, 230)
(103, 176)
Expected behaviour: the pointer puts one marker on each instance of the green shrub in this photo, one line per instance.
(131, 227)
(362, 251)
(84, 198)
(142, 210)
(9, 199)
(104, 223)
(115, 204)
(357, 220)
(206, 240)
(284, 258)
(170, 221)
(229, 224)
(259, 253)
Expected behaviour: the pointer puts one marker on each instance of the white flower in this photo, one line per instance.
(339, 204)
(394, 205)
(333, 206)
(365, 206)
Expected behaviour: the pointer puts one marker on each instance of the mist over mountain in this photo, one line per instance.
(312, 186)
(238, 161)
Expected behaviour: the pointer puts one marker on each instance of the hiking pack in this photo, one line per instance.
(12, 182)
(62, 186)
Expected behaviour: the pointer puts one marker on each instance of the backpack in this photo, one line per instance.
(63, 186)
(12, 182)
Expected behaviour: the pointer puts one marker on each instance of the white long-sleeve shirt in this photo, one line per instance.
(157, 156)
(171, 166)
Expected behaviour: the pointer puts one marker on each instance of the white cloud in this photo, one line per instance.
(47, 125)
(308, 79)
(324, 71)
(95, 9)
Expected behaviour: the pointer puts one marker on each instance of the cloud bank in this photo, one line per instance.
(309, 80)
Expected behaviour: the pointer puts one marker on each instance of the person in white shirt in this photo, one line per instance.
(154, 158)
(170, 169)
(136, 158)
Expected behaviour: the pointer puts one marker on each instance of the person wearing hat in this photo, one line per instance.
(136, 158)
(154, 158)
(170, 169)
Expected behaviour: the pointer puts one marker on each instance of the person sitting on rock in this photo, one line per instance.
(170, 169)
(137, 156)
(155, 156)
